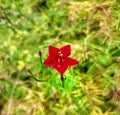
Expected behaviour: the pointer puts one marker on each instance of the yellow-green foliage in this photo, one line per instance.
(28, 27)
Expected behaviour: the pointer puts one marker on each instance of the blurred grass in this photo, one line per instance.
(91, 27)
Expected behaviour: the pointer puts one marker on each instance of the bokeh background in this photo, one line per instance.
(28, 27)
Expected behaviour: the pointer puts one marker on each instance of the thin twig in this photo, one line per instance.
(89, 97)
(5, 14)
(11, 97)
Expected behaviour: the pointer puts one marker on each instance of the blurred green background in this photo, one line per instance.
(91, 27)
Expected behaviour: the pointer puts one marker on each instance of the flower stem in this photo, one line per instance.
(39, 80)
(40, 55)
(62, 79)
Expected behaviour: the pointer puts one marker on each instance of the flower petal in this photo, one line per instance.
(61, 68)
(70, 61)
(65, 50)
(50, 61)
(53, 51)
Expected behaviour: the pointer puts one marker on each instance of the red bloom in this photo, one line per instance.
(58, 58)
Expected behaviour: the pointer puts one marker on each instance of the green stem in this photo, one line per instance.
(40, 55)
(62, 79)
(35, 78)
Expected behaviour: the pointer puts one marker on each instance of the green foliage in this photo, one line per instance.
(28, 27)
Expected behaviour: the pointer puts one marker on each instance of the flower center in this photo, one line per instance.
(60, 57)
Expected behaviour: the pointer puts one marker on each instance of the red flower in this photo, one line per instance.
(58, 58)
